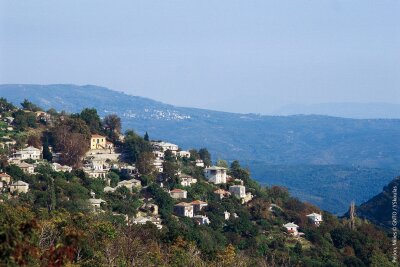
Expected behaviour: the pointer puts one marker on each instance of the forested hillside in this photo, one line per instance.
(331, 187)
(347, 152)
(381, 207)
(58, 209)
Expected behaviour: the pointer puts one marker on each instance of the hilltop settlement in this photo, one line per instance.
(76, 190)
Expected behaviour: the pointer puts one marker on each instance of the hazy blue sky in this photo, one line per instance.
(244, 56)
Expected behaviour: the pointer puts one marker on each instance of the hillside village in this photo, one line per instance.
(53, 162)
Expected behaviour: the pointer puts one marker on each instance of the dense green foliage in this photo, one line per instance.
(133, 146)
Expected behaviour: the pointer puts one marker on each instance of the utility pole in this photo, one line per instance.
(352, 215)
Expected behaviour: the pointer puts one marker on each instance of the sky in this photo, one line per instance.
(239, 56)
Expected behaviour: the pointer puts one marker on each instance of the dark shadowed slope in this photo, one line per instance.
(379, 209)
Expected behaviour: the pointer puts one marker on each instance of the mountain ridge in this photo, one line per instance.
(373, 110)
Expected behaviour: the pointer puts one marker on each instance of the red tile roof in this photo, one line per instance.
(97, 136)
(221, 191)
(197, 202)
(177, 191)
(183, 204)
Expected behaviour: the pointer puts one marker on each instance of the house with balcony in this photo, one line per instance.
(28, 153)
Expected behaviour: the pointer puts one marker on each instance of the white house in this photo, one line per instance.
(96, 203)
(152, 219)
(215, 174)
(61, 168)
(227, 215)
(164, 146)
(316, 218)
(26, 168)
(187, 180)
(184, 209)
(178, 193)
(130, 184)
(96, 173)
(108, 189)
(183, 154)
(199, 163)
(19, 187)
(158, 164)
(292, 228)
(4, 177)
(238, 191)
(201, 219)
(28, 153)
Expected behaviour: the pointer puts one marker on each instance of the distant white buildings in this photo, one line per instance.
(19, 187)
(316, 218)
(28, 153)
(164, 146)
(215, 174)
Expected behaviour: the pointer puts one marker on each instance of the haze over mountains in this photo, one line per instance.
(304, 153)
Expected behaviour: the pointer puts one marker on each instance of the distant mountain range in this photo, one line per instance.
(261, 142)
(345, 110)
